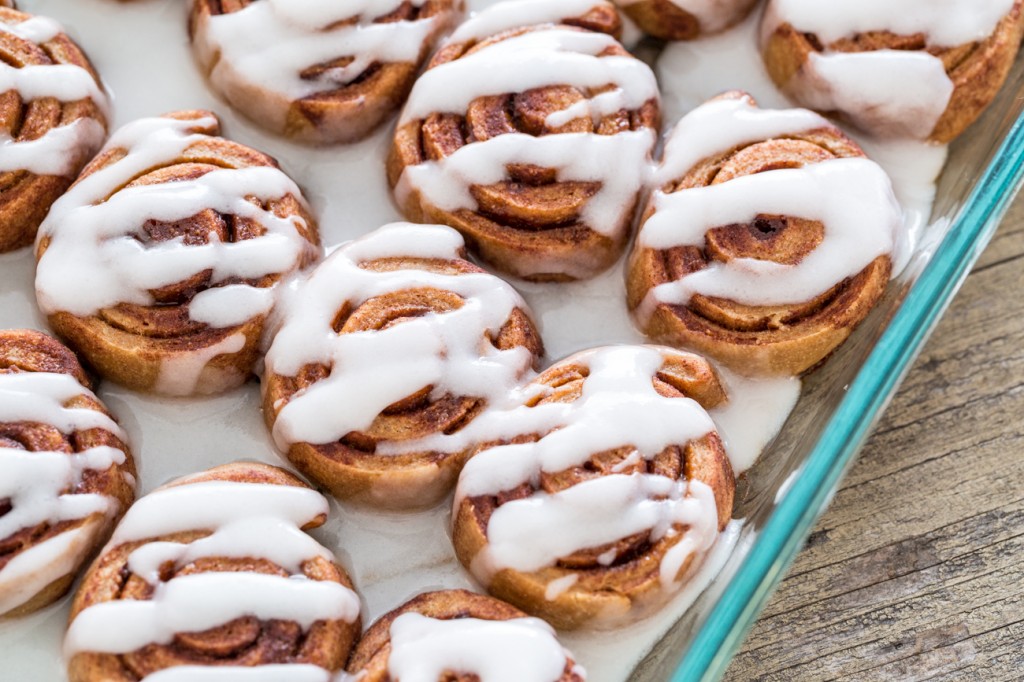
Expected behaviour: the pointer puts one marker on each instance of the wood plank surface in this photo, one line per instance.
(916, 572)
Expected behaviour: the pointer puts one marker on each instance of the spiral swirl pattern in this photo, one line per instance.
(530, 133)
(183, 237)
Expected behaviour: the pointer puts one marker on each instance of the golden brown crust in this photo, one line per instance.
(530, 224)
(345, 113)
(632, 582)
(245, 641)
(977, 70)
(23, 350)
(665, 19)
(350, 468)
(130, 343)
(782, 339)
(25, 197)
(370, 658)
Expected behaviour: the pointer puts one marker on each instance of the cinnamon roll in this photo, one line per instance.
(214, 570)
(53, 118)
(160, 264)
(66, 474)
(317, 72)
(393, 339)
(459, 635)
(617, 486)
(894, 69)
(685, 19)
(768, 240)
(530, 133)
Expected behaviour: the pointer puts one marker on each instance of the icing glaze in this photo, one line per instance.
(516, 650)
(245, 520)
(503, 16)
(298, 672)
(371, 370)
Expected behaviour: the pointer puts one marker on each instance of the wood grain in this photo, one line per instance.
(916, 570)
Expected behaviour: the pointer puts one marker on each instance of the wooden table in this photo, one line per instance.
(916, 572)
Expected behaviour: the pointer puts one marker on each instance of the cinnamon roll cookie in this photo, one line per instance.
(160, 264)
(617, 486)
(685, 19)
(459, 635)
(214, 571)
(769, 239)
(393, 339)
(896, 69)
(66, 474)
(53, 118)
(328, 71)
(530, 133)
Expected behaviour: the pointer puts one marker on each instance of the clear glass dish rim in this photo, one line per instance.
(774, 550)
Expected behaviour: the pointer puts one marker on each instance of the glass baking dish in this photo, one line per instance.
(783, 495)
(779, 499)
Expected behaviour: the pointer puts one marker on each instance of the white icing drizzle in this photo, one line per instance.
(618, 390)
(269, 44)
(94, 231)
(723, 124)
(255, 520)
(891, 93)
(754, 414)
(852, 198)
(545, 56)
(712, 15)
(62, 148)
(34, 482)
(30, 571)
(298, 672)
(516, 650)
(558, 586)
(517, 13)
(946, 23)
(371, 370)
(181, 375)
